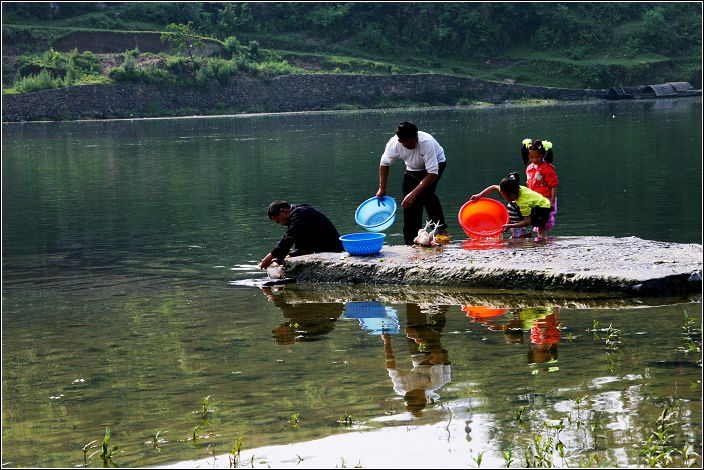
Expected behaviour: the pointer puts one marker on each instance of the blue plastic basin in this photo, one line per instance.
(376, 214)
(362, 243)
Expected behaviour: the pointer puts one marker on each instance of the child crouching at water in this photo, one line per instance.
(533, 207)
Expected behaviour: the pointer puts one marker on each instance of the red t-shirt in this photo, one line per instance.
(541, 178)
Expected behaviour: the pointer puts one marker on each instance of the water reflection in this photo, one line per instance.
(544, 338)
(373, 317)
(483, 244)
(541, 323)
(134, 201)
(430, 369)
(304, 321)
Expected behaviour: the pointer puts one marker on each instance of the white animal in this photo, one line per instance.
(275, 271)
(424, 237)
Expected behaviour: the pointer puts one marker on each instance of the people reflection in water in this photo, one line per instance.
(544, 337)
(541, 322)
(543, 325)
(304, 321)
(430, 362)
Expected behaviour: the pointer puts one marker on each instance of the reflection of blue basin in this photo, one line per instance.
(376, 326)
(371, 309)
(373, 317)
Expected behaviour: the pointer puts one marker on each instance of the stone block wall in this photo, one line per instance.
(280, 94)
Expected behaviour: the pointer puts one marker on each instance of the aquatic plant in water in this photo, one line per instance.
(294, 420)
(107, 451)
(659, 449)
(195, 435)
(235, 450)
(478, 459)
(346, 420)
(508, 457)
(87, 447)
(692, 337)
(156, 440)
(204, 407)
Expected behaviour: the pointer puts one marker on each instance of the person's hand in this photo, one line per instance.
(474, 197)
(408, 201)
(266, 262)
(507, 227)
(381, 193)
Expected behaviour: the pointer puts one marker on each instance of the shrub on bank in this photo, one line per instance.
(41, 81)
(54, 69)
(198, 72)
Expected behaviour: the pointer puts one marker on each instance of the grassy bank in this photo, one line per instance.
(564, 46)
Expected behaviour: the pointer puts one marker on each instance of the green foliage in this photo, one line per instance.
(346, 420)
(42, 81)
(295, 420)
(659, 449)
(577, 45)
(235, 451)
(107, 451)
(54, 69)
(463, 30)
(692, 337)
(232, 17)
(183, 38)
(205, 407)
(156, 440)
(195, 434)
(233, 46)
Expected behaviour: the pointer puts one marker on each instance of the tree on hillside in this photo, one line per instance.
(182, 38)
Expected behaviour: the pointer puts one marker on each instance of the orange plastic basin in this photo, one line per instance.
(483, 218)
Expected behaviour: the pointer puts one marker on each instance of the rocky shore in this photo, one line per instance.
(626, 266)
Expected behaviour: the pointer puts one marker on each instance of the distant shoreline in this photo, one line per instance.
(286, 93)
(508, 104)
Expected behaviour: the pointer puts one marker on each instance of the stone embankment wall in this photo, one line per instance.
(280, 94)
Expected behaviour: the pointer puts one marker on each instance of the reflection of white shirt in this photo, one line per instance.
(425, 156)
(425, 377)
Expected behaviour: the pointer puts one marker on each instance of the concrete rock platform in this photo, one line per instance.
(627, 266)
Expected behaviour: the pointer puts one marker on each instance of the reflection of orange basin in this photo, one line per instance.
(483, 218)
(486, 244)
(483, 312)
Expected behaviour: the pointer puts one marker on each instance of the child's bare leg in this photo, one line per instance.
(542, 233)
(519, 232)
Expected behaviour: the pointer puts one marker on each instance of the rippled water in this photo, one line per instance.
(121, 241)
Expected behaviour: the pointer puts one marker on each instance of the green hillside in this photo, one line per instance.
(574, 45)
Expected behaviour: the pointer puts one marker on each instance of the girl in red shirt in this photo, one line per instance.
(540, 174)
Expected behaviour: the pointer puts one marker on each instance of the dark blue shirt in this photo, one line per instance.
(310, 230)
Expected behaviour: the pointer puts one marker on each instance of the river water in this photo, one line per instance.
(122, 242)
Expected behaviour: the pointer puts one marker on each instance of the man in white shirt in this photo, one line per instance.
(425, 163)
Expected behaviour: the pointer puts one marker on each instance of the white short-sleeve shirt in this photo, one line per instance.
(426, 156)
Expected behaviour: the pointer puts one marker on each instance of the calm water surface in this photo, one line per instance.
(121, 241)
